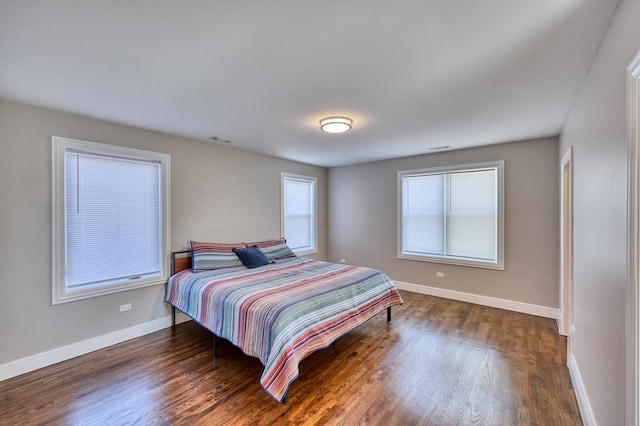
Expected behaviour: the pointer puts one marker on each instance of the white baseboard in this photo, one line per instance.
(44, 359)
(588, 419)
(510, 305)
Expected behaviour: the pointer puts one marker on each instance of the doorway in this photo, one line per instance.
(566, 249)
(633, 250)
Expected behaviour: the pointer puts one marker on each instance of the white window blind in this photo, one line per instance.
(472, 214)
(112, 215)
(423, 215)
(110, 230)
(452, 215)
(299, 212)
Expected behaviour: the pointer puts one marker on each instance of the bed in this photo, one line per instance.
(281, 311)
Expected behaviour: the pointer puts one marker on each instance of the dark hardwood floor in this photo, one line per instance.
(439, 362)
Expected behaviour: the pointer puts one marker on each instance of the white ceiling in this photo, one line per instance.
(412, 74)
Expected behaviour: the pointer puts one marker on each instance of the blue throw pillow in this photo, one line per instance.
(251, 257)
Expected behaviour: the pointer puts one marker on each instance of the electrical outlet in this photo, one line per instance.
(343, 260)
(440, 274)
(126, 307)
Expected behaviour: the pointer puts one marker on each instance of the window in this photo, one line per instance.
(452, 215)
(299, 213)
(110, 219)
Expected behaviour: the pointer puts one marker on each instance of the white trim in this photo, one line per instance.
(59, 145)
(314, 185)
(566, 247)
(632, 332)
(45, 359)
(588, 419)
(494, 302)
(477, 263)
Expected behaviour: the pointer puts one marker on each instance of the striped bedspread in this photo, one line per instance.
(282, 312)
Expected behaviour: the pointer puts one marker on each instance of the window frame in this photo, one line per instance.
(314, 197)
(478, 263)
(59, 146)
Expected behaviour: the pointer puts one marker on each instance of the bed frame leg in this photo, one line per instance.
(284, 398)
(173, 317)
(389, 314)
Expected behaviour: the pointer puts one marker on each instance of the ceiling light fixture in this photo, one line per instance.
(335, 124)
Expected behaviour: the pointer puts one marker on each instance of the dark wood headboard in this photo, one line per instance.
(180, 260)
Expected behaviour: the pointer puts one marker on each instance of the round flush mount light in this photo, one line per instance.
(335, 124)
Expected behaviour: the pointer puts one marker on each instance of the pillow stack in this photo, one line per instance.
(274, 249)
(209, 256)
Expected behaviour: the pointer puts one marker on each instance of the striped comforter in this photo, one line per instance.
(282, 312)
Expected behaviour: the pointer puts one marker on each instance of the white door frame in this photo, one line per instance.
(565, 321)
(632, 332)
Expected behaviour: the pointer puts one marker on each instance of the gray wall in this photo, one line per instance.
(363, 222)
(596, 128)
(217, 194)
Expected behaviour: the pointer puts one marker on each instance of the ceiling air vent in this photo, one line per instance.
(217, 139)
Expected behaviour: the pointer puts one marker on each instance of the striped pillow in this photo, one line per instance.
(206, 256)
(274, 249)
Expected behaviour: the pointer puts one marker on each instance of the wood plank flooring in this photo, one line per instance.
(438, 362)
